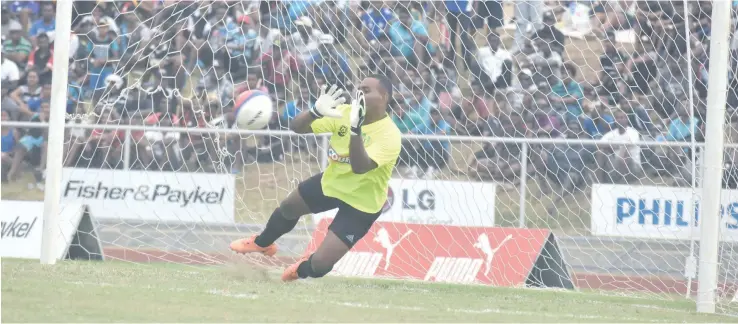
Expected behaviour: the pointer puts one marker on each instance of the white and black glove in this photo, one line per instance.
(326, 104)
(358, 113)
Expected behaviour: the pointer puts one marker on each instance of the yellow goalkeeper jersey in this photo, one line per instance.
(382, 140)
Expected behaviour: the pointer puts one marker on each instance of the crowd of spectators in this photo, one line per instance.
(181, 62)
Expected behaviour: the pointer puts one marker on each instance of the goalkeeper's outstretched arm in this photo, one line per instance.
(301, 123)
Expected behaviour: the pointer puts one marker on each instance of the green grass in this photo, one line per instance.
(125, 292)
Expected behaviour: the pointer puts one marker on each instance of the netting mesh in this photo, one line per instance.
(610, 71)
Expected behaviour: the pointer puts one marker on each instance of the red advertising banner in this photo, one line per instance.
(457, 254)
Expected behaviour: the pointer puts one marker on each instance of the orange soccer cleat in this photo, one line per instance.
(290, 274)
(247, 245)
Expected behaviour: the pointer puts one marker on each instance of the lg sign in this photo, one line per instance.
(422, 200)
(436, 202)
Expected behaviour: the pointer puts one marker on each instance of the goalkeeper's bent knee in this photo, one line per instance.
(307, 269)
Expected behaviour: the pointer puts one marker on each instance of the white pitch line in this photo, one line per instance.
(487, 311)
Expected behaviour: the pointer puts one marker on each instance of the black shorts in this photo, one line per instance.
(350, 224)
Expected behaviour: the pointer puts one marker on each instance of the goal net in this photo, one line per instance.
(515, 116)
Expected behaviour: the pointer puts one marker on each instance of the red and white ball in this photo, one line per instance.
(253, 110)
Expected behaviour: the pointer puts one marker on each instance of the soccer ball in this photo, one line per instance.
(253, 110)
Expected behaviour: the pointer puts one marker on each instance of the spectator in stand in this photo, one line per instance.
(497, 161)
(618, 163)
(520, 95)
(279, 67)
(544, 59)
(102, 51)
(17, 48)
(527, 21)
(134, 37)
(219, 83)
(375, 19)
(459, 18)
(104, 146)
(331, 64)
(25, 11)
(241, 45)
(597, 118)
(566, 165)
(8, 104)
(433, 154)
(46, 24)
(637, 115)
(410, 38)
(552, 35)
(682, 127)
(265, 38)
(494, 68)
(306, 40)
(641, 66)
(613, 65)
(380, 55)
(10, 72)
(446, 90)
(32, 148)
(302, 102)
(568, 92)
(8, 140)
(406, 120)
(41, 59)
(28, 96)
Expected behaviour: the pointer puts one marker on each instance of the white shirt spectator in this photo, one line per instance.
(630, 135)
(10, 71)
(305, 49)
(492, 63)
(264, 44)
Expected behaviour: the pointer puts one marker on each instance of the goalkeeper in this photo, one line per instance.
(364, 148)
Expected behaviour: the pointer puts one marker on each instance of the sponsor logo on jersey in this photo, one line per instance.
(334, 156)
(342, 131)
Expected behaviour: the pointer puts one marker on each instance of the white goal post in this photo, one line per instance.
(712, 182)
(55, 155)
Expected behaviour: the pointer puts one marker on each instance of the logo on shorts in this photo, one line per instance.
(390, 200)
(342, 131)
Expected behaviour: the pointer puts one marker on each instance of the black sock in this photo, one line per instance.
(305, 269)
(277, 226)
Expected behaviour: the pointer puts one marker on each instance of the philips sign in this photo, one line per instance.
(657, 212)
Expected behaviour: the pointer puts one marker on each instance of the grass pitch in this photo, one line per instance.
(126, 292)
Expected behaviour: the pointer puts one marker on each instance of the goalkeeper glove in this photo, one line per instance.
(358, 113)
(327, 102)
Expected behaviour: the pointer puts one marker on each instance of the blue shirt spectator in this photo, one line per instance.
(405, 32)
(458, 6)
(570, 94)
(375, 21)
(679, 130)
(293, 108)
(46, 24)
(102, 49)
(434, 126)
(18, 6)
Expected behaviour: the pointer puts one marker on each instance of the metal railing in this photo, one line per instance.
(525, 144)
